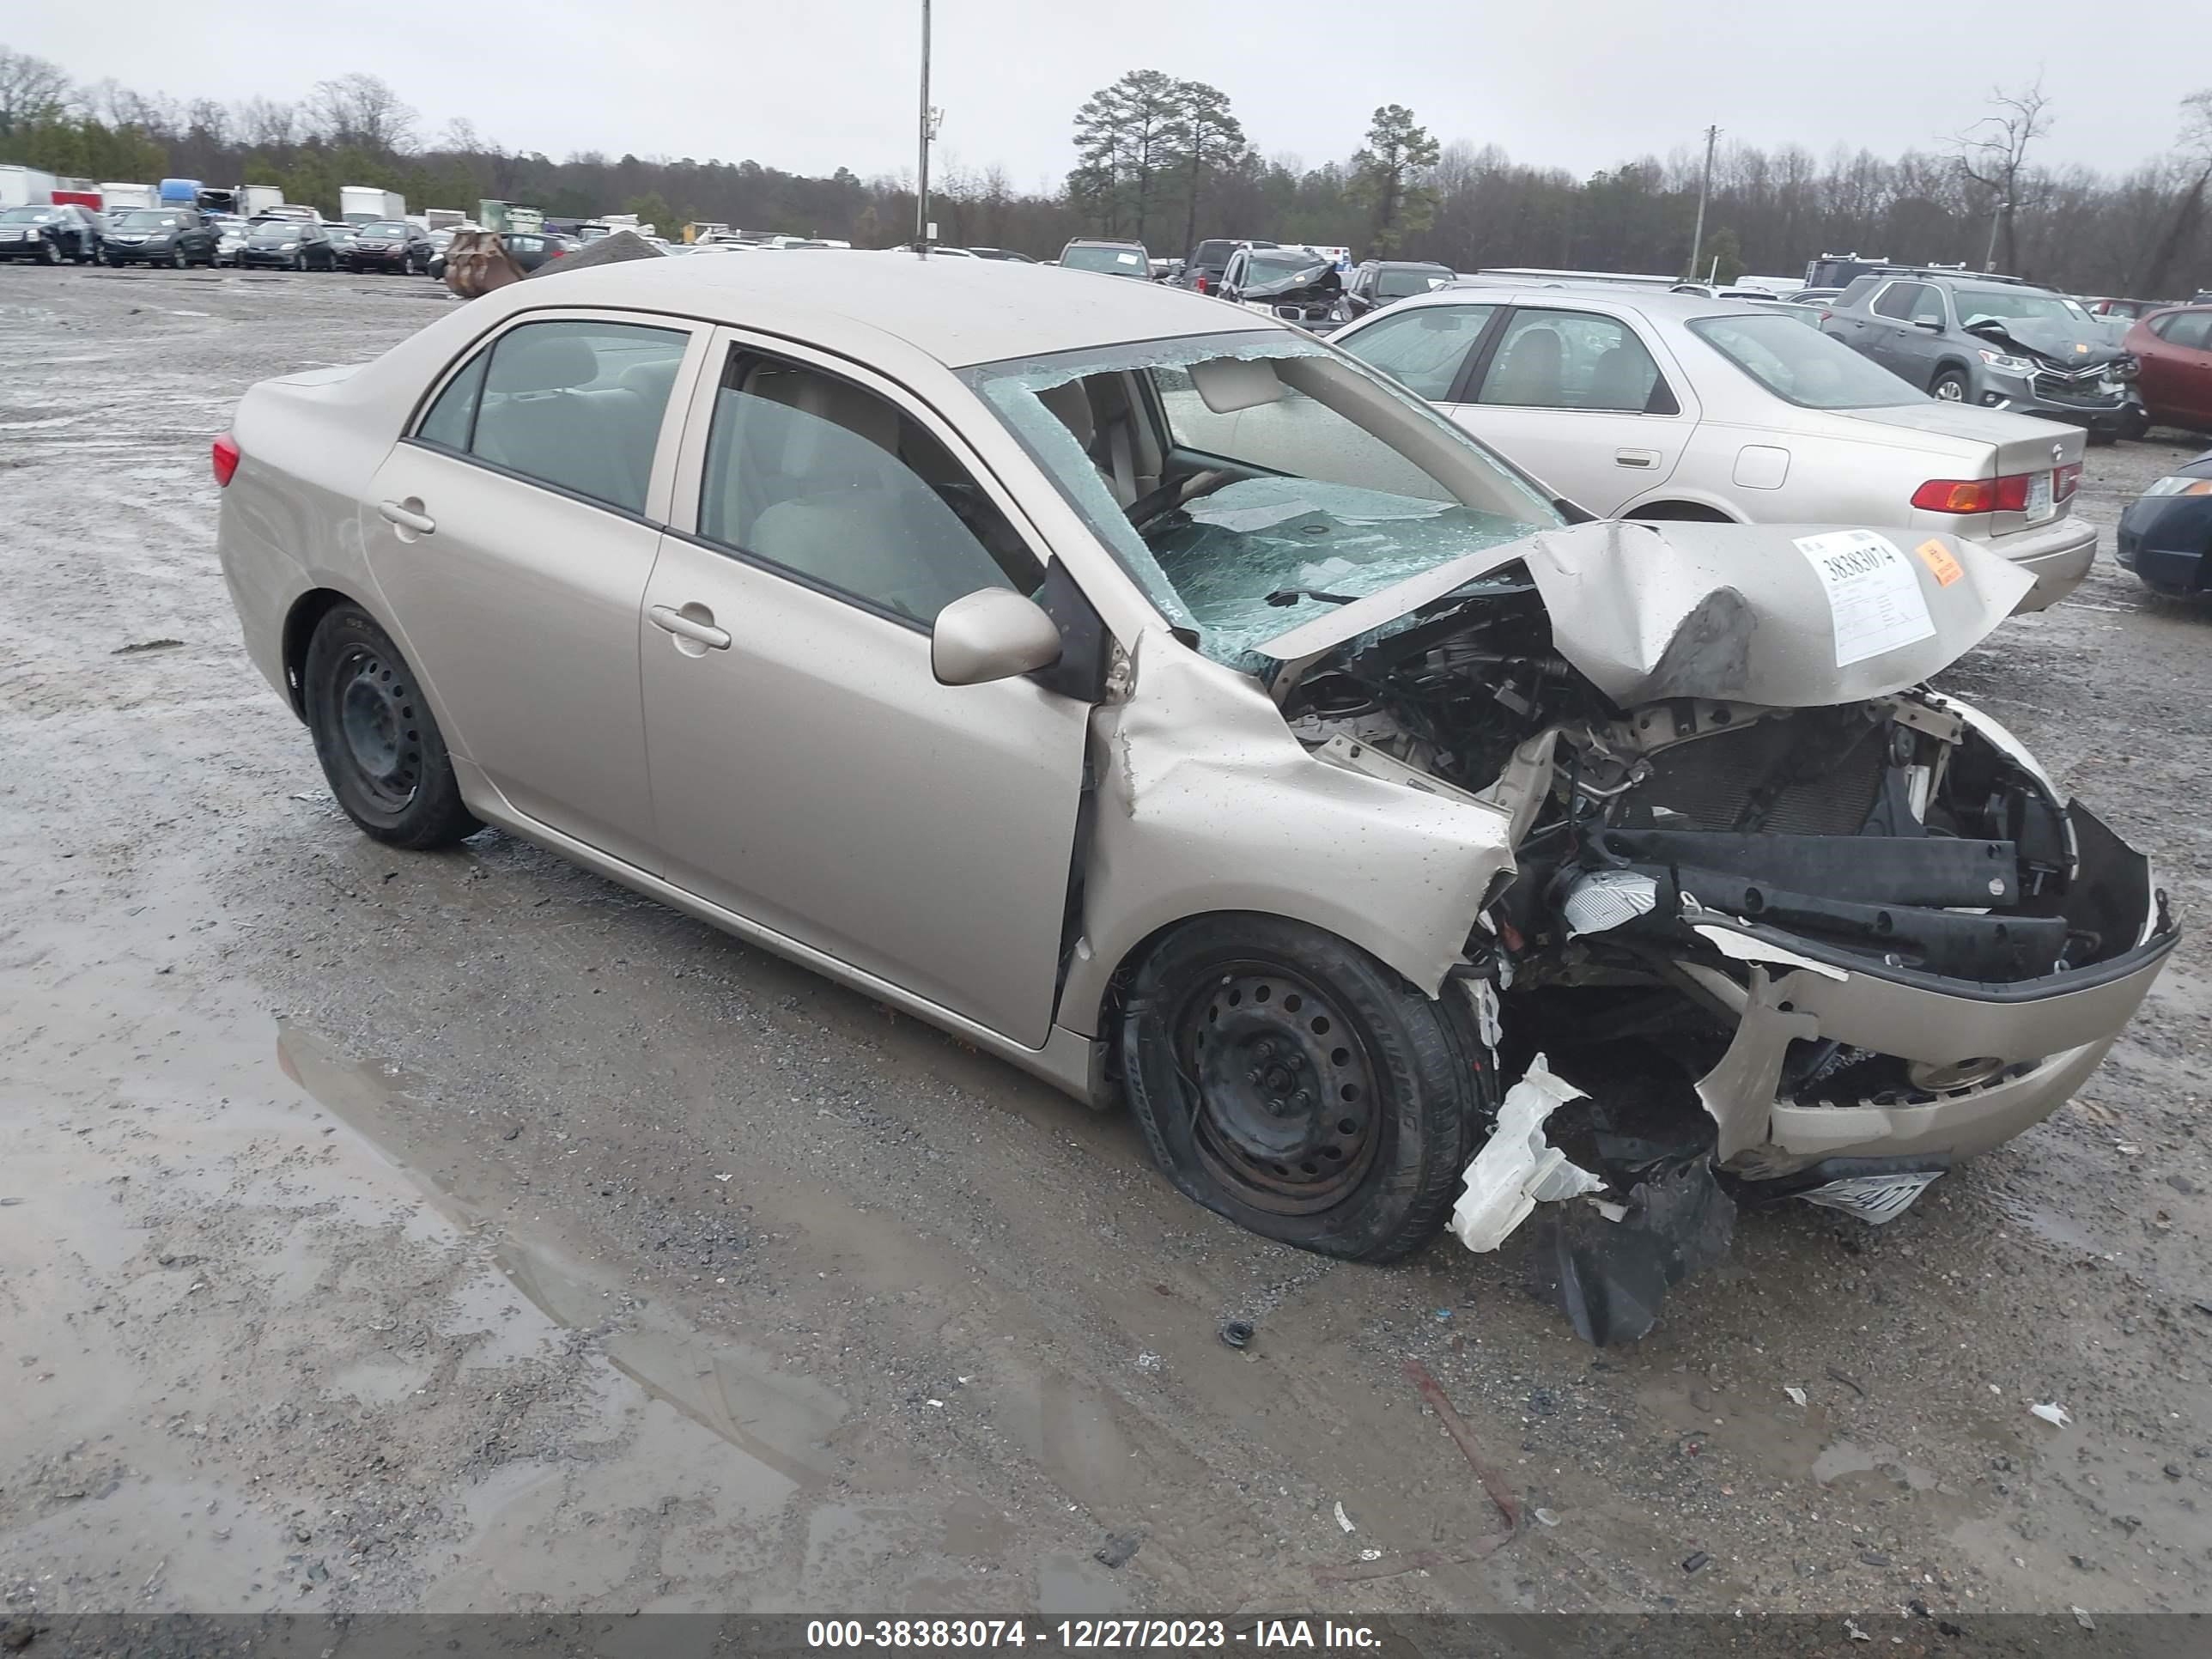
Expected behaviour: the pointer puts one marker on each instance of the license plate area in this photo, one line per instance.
(2041, 502)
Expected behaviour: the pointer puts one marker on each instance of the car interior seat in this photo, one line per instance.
(1530, 372)
(538, 417)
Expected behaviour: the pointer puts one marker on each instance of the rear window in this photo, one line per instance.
(1213, 253)
(1400, 284)
(1801, 365)
(1126, 260)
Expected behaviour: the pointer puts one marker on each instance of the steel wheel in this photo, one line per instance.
(377, 720)
(1287, 1093)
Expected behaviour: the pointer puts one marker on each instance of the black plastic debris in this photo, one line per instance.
(1609, 1277)
(1237, 1334)
(1693, 1562)
(1117, 1549)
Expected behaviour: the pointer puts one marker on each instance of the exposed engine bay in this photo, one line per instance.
(1677, 858)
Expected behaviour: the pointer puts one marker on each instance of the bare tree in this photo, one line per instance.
(265, 124)
(361, 111)
(1993, 153)
(29, 88)
(2196, 149)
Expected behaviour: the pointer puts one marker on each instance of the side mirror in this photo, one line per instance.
(993, 633)
(1933, 324)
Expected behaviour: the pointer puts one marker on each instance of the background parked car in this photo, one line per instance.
(51, 234)
(1298, 284)
(2172, 349)
(1379, 282)
(1202, 270)
(1986, 340)
(1115, 259)
(389, 245)
(1633, 403)
(175, 237)
(288, 245)
(1001, 253)
(2166, 533)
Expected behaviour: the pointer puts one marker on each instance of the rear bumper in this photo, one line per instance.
(2057, 554)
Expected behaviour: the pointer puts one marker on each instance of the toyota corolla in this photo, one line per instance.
(1163, 700)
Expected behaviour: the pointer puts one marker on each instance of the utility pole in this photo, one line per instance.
(1704, 189)
(922, 174)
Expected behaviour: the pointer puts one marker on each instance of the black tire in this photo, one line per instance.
(1950, 385)
(299, 262)
(379, 747)
(50, 252)
(177, 260)
(1369, 1167)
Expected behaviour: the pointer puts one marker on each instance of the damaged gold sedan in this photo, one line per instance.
(1159, 698)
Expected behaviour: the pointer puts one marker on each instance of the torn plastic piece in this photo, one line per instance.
(1798, 1396)
(2053, 1414)
(1517, 1168)
(1875, 1199)
(1342, 1519)
(1605, 899)
(1744, 948)
(1609, 1278)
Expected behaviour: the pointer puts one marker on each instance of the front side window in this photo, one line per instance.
(1422, 348)
(574, 404)
(1572, 360)
(1802, 365)
(1288, 477)
(828, 481)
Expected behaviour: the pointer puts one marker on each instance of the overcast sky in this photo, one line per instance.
(812, 86)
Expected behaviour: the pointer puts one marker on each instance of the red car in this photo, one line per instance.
(2173, 350)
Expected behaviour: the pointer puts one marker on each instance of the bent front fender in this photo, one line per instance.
(1205, 802)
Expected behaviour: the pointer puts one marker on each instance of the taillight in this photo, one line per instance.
(2005, 494)
(1200, 284)
(2066, 480)
(226, 458)
(1957, 496)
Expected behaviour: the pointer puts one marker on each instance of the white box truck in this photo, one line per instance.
(25, 188)
(360, 203)
(123, 197)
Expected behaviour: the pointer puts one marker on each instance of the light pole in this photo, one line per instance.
(922, 174)
(1704, 189)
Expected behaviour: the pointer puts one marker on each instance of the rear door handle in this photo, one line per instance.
(1636, 457)
(670, 620)
(407, 517)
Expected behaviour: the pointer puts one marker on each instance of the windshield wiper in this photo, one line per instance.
(1290, 596)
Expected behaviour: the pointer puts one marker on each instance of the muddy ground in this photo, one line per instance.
(461, 1232)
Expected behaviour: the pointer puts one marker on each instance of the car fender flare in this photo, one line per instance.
(317, 597)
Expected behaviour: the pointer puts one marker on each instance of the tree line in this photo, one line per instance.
(1166, 161)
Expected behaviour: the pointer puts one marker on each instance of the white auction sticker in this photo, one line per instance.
(1875, 600)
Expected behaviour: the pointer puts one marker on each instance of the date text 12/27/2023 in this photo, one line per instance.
(1085, 1635)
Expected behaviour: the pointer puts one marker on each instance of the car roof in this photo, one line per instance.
(960, 312)
(1655, 303)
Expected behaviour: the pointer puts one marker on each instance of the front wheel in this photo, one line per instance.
(1950, 386)
(1286, 1079)
(50, 254)
(177, 261)
(379, 745)
(299, 262)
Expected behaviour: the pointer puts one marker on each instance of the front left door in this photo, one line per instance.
(511, 534)
(1577, 399)
(809, 772)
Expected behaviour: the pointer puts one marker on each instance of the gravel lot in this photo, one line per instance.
(462, 1232)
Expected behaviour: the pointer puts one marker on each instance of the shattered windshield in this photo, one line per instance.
(1248, 482)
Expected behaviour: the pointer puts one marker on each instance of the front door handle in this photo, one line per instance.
(1636, 457)
(408, 517)
(672, 620)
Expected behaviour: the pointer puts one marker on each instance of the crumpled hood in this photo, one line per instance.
(2062, 343)
(1318, 281)
(1783, 616)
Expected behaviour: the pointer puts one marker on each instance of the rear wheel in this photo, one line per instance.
(1949, 386)
(177, 260)
(1287, 1081)
(50, 252)
(299, 262)
(379, 747)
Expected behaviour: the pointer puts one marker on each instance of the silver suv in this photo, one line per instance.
(1994, 341)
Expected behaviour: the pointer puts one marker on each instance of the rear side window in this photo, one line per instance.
(574, 404)
(1423, 349)
(1899, 300)
(2190, 330)
(1575, 360)
(844, 490)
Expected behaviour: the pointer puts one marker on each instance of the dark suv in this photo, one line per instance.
(1202, 270)
(1994, 341)
(1379, 281)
